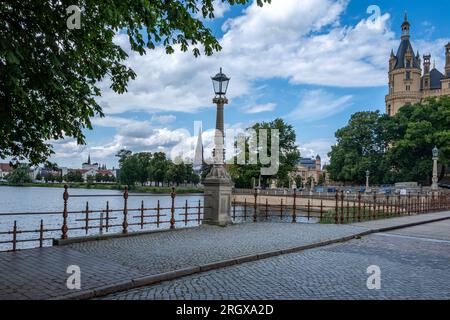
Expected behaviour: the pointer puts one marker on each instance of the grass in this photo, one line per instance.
(102, 186)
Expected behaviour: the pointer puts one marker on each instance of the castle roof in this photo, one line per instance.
(435, 79)
(307, 163)
(405, 46)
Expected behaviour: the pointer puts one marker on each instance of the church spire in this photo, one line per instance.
(89, 159)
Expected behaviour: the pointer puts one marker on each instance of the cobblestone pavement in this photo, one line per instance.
(41, 273)
(166, 251)
(411, 268)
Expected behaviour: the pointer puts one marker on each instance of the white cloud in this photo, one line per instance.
(317, 147)
(301, 41)
(260, 108)
(164, 119)
(319, 104)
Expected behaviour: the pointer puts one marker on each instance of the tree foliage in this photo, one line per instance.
(393, 149)
(20, 174)
(49, 73)
(289, 156)
(147, 167)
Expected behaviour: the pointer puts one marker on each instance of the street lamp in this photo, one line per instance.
(218, 184)
(220, 85)
(434, 185)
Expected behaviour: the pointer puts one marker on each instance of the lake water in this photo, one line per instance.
(35, 199)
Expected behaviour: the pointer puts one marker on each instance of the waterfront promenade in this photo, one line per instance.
(124, 263)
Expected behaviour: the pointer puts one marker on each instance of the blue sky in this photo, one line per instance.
(311, 62)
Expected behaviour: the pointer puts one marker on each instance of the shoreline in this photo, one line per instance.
(135, 189)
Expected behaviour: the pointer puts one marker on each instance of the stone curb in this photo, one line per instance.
(172, 275)
(61, 242)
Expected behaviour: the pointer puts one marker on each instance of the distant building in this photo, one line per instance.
(88, 165)
(407, 83)
(309, 168)
(89, 169)
(5, 169)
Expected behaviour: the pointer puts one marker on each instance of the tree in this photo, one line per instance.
(393, 149)
(128, 169)
(39, 177)
(49, 73)
(143, 163)
(158, 168)
(361, 146)
(416, 130)
(289, 156)
(20, 174)
(74, 176)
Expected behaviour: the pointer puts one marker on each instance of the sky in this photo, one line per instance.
(311, 62)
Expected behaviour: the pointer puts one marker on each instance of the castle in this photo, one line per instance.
(407, 84)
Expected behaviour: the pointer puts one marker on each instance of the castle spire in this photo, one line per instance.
(406, 26)
(89, 159)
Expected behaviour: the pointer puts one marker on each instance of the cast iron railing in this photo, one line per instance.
(90, 222)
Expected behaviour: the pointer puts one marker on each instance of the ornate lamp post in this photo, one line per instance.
(434, 185)
(218, 184)
(367, 180)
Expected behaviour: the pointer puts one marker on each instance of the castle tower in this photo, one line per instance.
(426, 71)
(404, 74)
(318, 163)
(447, 60)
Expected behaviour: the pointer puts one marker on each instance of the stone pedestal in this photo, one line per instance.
(217, 197)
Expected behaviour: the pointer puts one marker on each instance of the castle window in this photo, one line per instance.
(408, 75)
(408, 63)
(389, 110)
(408, 88)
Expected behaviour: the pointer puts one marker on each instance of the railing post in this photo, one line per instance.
(41, 234)
(281, 209)
(107, 216)
(359, 206)
(348, 210)
(387, 213)
(186, 213)
(294, 208)
(417, 204)
(409, 203)
(125, 211)
(375, 213)
(342, 207)
(14, 240)
(234, 208)
(336, 209)
(267, 209)
(255, 205)
(321, 210)
(309, 209)
(199, 212)
(64, 227)
(86, 220)
(158, 214)
(245, 209)
(172, 209)
(142, 214)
